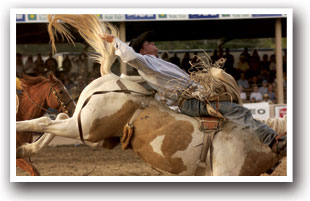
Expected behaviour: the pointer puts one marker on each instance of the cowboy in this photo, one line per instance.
(142, 54)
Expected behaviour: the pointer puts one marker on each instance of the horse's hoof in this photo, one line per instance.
(20, 152)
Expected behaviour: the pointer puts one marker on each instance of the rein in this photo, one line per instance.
(52, 89)
(36, 104)
(122, 90)
(64, 105)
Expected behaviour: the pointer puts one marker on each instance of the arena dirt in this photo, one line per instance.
(76, 160)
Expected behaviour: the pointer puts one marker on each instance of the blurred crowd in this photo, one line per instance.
(75, 71)
(255, 76)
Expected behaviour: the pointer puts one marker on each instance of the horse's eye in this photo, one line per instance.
(61, 92)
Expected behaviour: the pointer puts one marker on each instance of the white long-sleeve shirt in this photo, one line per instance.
(161, 75)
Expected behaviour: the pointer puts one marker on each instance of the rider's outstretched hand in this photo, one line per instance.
(107, 37)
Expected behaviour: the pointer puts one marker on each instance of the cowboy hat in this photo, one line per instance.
(137, 43)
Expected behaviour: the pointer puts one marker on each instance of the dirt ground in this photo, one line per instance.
(77, 160)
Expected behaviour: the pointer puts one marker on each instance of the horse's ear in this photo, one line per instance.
(51, 76)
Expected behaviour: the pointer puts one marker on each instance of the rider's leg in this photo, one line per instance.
(235, 113)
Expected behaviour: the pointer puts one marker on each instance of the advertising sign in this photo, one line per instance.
(20, 18)
(280, 111)
(33, 18)
(199, 16)
(259, 110)
(140, 17)
(113, 17)
(267, 15)
(172, 17)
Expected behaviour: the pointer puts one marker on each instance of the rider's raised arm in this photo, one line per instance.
(145, 63)
(125, 52)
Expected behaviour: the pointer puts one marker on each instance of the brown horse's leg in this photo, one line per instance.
(23, 164)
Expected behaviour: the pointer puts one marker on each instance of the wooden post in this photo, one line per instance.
(279, 65)
(122, 30)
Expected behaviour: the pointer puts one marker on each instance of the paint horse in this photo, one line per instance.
(39, 94)
(169, 141)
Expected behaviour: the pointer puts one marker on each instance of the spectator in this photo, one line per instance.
(246, 54)
(51, 64)
(195, 58)
(271, 93)
(175, 60)
(221, 53)
(80, 64)
(256, 95)
(75, 93)
(243, 65)
(264, 75)
(254, 64)
(214, 56)
(66, 65)
(264, 64)
(264, 88)
(253, 100)
(19, 65)
(254, 81)
(272, 67)
(39, 65)
(30, 67)
(242, 93)
(80, 83)
(243, 82)
(255, 59)
(165, 56)
(67, 81)
(266, 98)
(185, 65)
(284, 81)
(229, 64)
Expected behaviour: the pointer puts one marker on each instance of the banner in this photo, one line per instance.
(32, 18)
(266, 15)
(259, 110)
(20, 18)
(112, 17)
(280, 111)
(172, 17)
(199, 16)
(140, 17)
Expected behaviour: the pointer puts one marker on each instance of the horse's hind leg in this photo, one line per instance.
(32, 148)
(23, 164)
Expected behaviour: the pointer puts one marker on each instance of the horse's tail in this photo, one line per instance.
(90, 28)
(277, 124)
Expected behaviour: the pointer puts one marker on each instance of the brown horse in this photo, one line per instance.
(39, 94)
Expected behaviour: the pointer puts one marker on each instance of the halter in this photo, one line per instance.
(64, 105)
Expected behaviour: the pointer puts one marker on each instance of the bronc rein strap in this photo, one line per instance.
(122, 90)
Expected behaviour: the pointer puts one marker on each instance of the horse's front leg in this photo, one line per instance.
(35, 125)
(59, 127)
(32, 148)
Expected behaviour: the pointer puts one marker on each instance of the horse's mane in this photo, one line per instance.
(30, 81)
(90, 28)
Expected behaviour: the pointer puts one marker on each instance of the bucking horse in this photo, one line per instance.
(112, 109)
